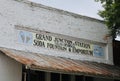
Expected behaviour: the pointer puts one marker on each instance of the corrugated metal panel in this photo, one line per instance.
(58, 64)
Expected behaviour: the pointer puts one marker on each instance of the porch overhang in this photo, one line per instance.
(63, 65)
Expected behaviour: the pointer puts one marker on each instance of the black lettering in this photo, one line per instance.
(38, 36)
(43, 37)
(82, 45)
(50, 45)
(70, 49)
(57, 47)
(35, 43)
(90, 52)
(39, 43)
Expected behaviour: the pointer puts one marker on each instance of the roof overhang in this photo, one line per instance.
(58, 64)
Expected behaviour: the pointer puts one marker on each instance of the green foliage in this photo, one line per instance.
(111, 15)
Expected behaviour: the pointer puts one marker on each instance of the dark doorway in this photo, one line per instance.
(116, 52)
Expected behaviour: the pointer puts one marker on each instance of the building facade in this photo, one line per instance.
(43, 44)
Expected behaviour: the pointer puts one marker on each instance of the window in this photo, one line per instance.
(55, 77)
(32, 75)
(79, 78)
(88, 78)
(65, 77)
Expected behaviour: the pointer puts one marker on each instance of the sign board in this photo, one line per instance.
(58, 43)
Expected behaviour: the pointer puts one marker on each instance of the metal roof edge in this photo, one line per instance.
(91, 68)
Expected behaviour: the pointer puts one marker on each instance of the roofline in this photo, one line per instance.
(60, 11)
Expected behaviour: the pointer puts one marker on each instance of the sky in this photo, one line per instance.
(83, 7)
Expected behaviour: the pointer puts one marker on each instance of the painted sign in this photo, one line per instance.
(57, 43)
(25, 37)
(98, 51)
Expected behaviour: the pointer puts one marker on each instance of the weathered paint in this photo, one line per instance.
(38, 17)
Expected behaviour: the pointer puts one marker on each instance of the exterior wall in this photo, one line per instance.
(39, 17)
(10, 70)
